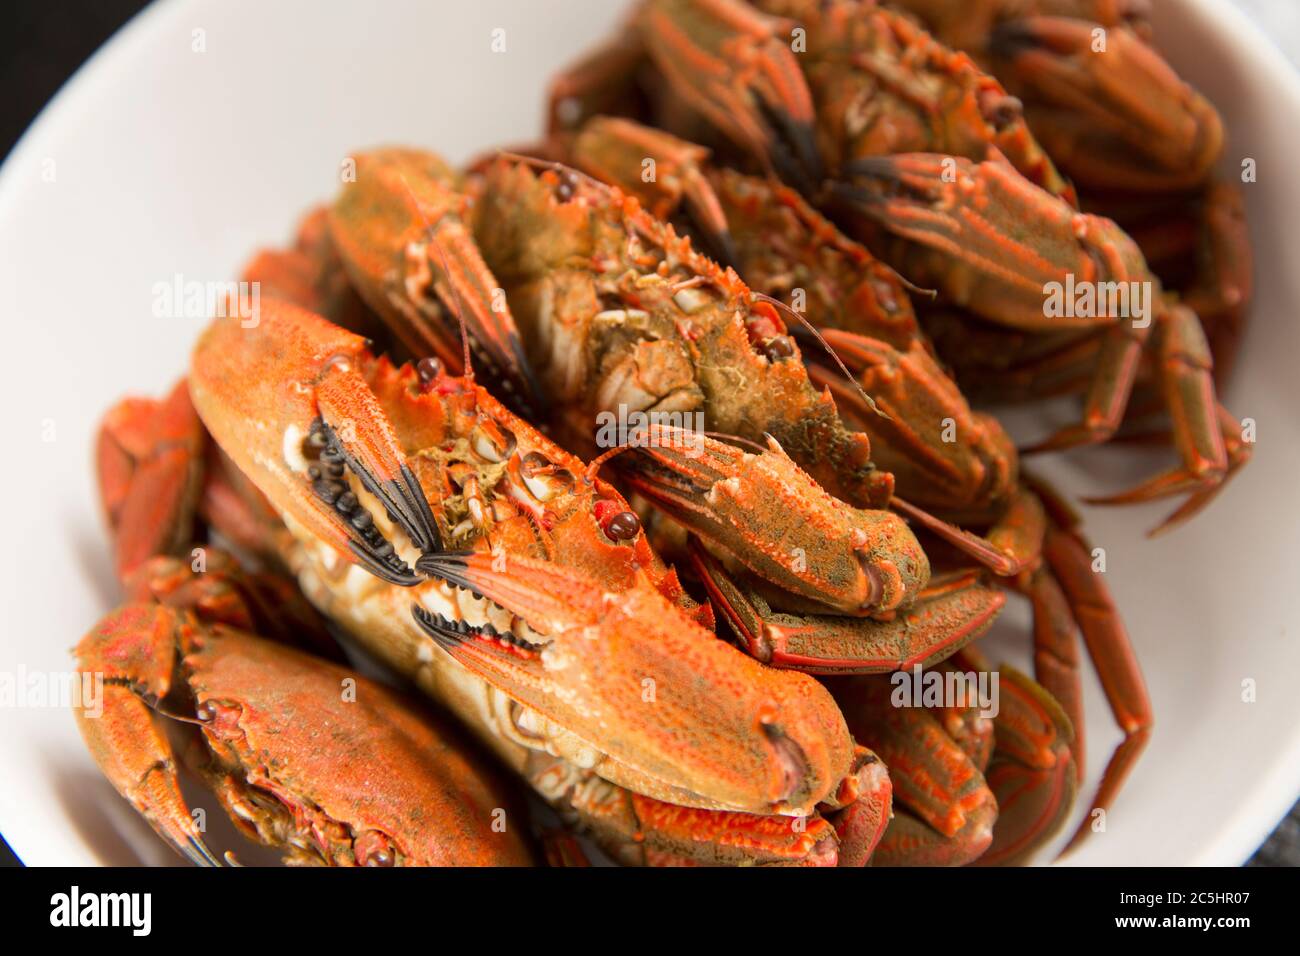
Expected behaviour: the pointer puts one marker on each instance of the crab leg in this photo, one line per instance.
(399, 229)
(1032, 772)
(1202, 428)
(135, 649)
(1068, 556)
(948, 613)
(920, 403)
(986, 237)
(351, 431)
(950, 811)
(149, 458)
(960, 233)
(1094, 109)
(747, 81)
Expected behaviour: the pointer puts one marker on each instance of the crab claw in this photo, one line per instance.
(949, 810)
(400, 230)
(987, 238)
(149, 459)
(768, 514)
(1032, 771)
(949, 613)
(656, 701)
(287, 399)
(1108, 113)
(134, 651)
(736, 67)
(945, 454)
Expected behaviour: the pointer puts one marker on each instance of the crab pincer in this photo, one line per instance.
(1114, 114)
(313, 383)
(750, 82)
(400, 230)
(776, 747)
(409, 796)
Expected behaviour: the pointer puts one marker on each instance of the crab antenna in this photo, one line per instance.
(728, 437)
(871, 402)
(605, 456)
(556, 167)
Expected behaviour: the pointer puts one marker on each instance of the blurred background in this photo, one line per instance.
(45, 41)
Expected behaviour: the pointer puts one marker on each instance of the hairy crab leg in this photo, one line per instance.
(952, 220)
(1207, 437)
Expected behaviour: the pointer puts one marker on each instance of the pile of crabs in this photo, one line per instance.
(781, 246)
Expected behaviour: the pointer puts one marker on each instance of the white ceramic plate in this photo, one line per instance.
(168, 161)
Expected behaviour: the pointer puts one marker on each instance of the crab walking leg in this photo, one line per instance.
(1094, 110)
(1200, 431)
(1068, 556)
(1224, 288)
(948, 219)
(1056, 653)
(956, 229)
(921, 407)
(1238, 451)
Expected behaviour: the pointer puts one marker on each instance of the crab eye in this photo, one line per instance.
(622, 526)
(428, 368)
(614, 518)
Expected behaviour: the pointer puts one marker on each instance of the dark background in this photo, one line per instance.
(42, 44)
